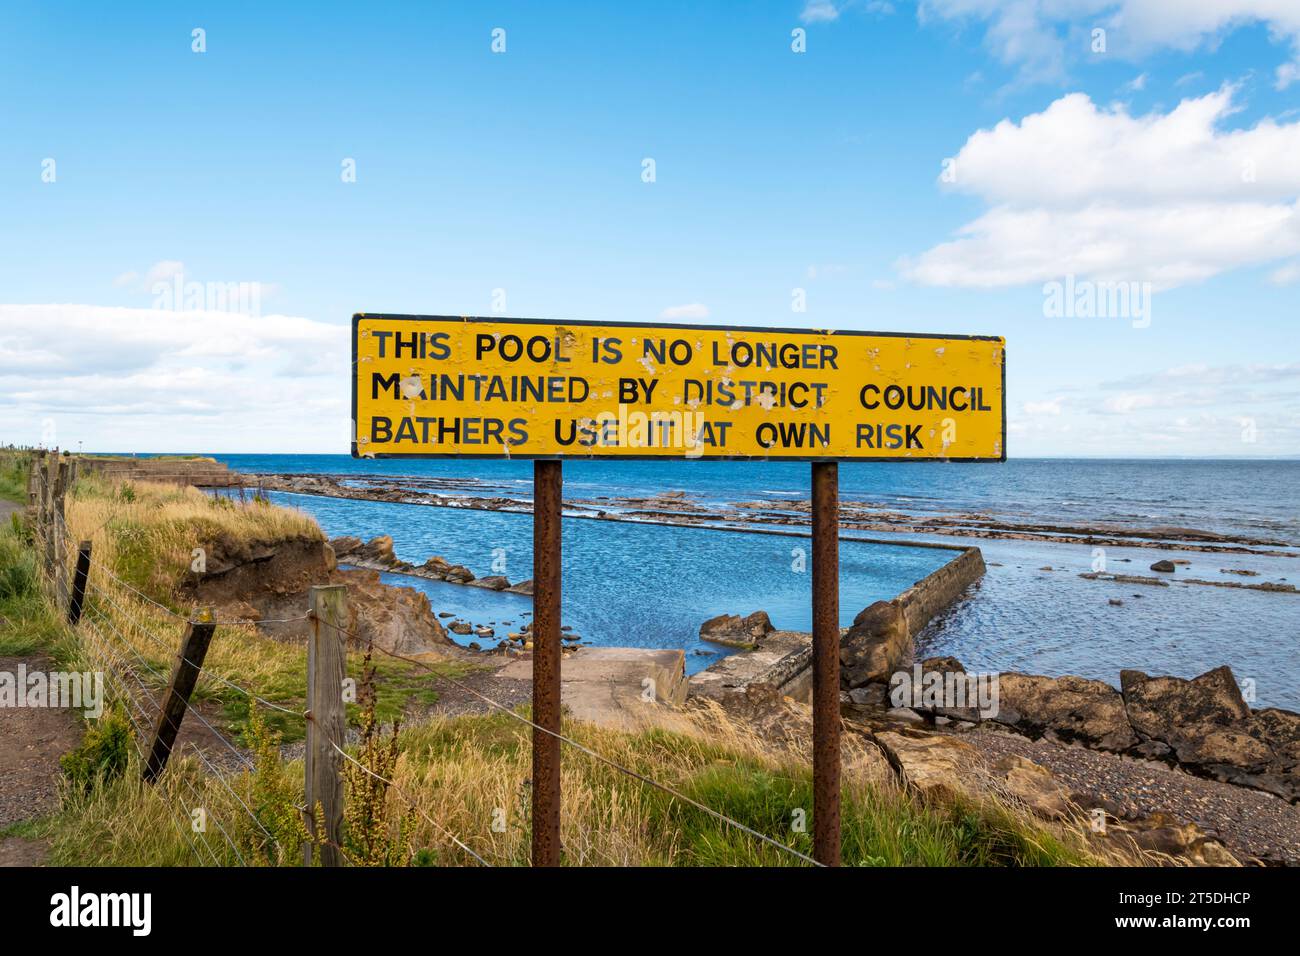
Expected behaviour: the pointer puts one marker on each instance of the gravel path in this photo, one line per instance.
(1251, 824)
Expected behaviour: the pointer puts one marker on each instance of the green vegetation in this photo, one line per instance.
(13, 476)
(103, 755)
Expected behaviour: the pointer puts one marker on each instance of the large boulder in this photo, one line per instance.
(494, 582)
(395, 619)
(1070, 709)
(344, 545)
(377, 553)
(935, 767)
(875, 646)
(459, 574)
(436, 565)
(1031, 785)
(1205, 725)
(733, 630)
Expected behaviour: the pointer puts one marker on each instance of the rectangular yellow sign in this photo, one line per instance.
(445, 387)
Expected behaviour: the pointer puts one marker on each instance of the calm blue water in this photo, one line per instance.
(636, 584)
(1257, 498)
(625, 585)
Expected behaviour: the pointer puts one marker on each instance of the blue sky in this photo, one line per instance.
(774, 170)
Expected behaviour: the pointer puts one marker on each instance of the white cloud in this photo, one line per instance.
(1187, 410)
(1038, 36)
(1168, 198)
(161, 380)
(1288, 274)
(693, 310)
(1137, 84)
(819, 11)
(1051, 407)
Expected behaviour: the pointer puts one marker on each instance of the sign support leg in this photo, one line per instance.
(826, 661)
(547, 497)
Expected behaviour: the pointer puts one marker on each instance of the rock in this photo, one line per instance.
(398, 619)
(933, 766)
(1161, 833)
(874, 646)
(1032, 785)
(942, 664)
(1071, 709)
(1205, 725)
(1166, 566)
(484, 632)
(344, 545)
(1115, 602)
(734, 631)
(771, 715)
(493, 582)
(870, 696)
(968, 691)
(523, 587)
(459, 574)
(460, 627)
(1177, 711)
(475, 646)
(445, 614)
(380, 549)
(570, 637)
(437, 565)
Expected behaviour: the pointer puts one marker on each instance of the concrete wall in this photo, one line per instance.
(791, 673)
(936, 591)
(192, 471)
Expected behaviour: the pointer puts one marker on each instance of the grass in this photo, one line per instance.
(13, 476)
(469, 774)
(463, 778)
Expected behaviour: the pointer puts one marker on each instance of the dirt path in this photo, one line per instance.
(31, 741)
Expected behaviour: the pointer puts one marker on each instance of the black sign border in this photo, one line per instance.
(498, 456)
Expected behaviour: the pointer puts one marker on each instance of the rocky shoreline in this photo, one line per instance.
(679, 509)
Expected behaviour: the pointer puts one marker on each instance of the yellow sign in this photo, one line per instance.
(443, 386)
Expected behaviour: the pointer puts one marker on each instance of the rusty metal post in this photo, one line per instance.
(826, 660)
(548, 486)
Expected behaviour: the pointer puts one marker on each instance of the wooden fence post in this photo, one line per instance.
(189, 661)
(48, 474)
(79, 577)
(327, 655)
(60, 532)
(33, 487)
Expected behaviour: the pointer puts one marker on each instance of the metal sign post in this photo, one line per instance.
(469, 387)
(548, 490)
(826, 661)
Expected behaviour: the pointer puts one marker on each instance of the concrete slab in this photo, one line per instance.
(621, 687)
(780, 656)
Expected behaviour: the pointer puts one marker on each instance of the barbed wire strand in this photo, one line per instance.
(208, 673)
(207, 813)
(191, 710)
(418, 809)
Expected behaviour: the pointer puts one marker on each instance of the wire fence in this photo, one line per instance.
(125, 631)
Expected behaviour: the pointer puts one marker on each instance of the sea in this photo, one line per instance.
(650, 585)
